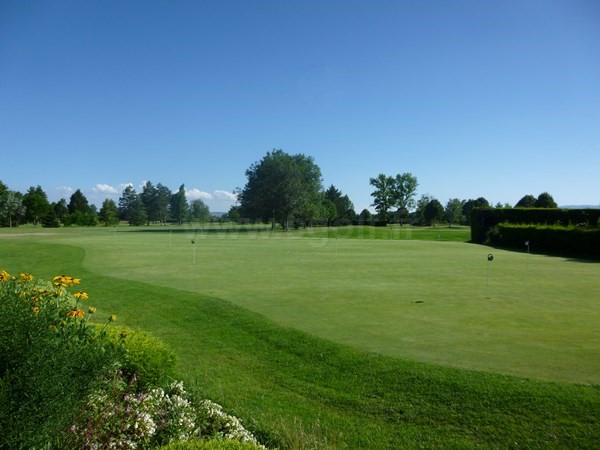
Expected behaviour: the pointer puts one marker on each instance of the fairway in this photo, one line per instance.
(433, 301)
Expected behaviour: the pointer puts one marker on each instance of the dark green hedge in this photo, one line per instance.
(484, 219)
(567, 241)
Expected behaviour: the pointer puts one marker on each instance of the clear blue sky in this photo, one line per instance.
(475, 98)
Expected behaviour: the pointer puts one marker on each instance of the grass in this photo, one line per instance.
(321, 343)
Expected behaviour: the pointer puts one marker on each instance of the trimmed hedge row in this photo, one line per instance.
(567, 241)
(484, 219)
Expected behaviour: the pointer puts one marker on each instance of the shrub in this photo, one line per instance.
(146, 357)
(67, 384)
(49, 356)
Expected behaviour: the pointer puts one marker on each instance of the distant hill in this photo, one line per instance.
(580, 207)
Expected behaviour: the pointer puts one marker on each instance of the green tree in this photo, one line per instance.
(109, 213)
(234, 213)
(131, 208)
(545, 200)
(341, 202)
(528, 201)
(468, 206)
(60, 209)
(434, 212)
(149, 197)
(365, 215)
(126, 203)
(11, 208)
(281, 187)
(178, 206)
(199, 211)
(453, 211)
(420, 209)
(405, 189)
(384, 195)
(138, 212)
(78, 203)
(80, 212)
(36, 202)
(163, 198)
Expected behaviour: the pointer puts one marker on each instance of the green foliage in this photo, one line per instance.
(36, 203)
(109, 213)
(178, 206)
(528, 201)
(569, 241)
(49, 357)
(213, 444)
(484, 219)
(199, 211)
(281, 187)
(384, 195)
(131, 207)
(434, 212)
(148, 358)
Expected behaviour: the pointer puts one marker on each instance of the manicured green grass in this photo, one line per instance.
(432, 301)
(420, 301)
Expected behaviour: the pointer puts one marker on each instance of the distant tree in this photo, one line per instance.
(60, 209)
(453, 211)
(405, 189)
(422, 203)
(281, 187)
(78, 203)
(178, 206)
(384, 195)
(328, 211)
(341, 202)
(109, 213)
(127, 203)
(138, 212)
(36, 202)
(163, 198)
(527, 201)
(149, 197)
(234, 213)
(11, 208)
(545, 200)
(365, 215)
(80, 212)
(468, 206)
(350, 214)
(50, 220)
(434, 212)
(199, 211)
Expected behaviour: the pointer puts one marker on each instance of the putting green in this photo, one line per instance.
(431, 301)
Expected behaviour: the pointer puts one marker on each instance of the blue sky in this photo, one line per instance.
(475, 98)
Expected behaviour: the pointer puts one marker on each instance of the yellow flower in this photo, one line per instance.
(112, 318)
(91, 310)
(80, 295)
(4, 276)
(75, 314)
(64, 281)
(25, 277)
(35, 309)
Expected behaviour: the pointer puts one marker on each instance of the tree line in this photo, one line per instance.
(154, 204)
(281, 189)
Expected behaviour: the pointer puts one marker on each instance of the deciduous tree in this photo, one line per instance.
(36, 202)
(281, 187)
(384, 195)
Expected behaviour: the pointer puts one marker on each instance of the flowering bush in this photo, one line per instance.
(66, 383)
(49, 357)
(117, 416)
